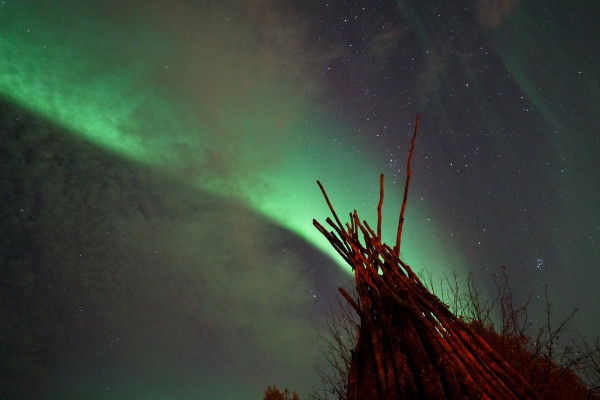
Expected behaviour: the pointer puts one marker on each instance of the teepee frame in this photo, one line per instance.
(409, 343)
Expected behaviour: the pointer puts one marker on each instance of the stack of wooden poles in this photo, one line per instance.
(410, 345)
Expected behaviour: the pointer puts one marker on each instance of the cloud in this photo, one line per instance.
(492, 13)
(387, 42)
(109, 267)
(431, 76)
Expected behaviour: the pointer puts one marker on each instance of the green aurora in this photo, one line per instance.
(205, 105)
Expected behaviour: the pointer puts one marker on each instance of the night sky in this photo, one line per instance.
(158, 164)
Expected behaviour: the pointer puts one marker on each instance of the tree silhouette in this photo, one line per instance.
(551, 370)
(340, 341)
(272, 393)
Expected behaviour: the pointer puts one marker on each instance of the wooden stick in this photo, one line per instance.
(379, 209)
(330, 206)
(401, 220)
(350, 300)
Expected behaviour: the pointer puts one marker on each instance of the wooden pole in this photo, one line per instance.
(379, 208)
(408, 173)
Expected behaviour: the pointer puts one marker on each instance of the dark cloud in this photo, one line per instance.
(111, 272)
(492, 13)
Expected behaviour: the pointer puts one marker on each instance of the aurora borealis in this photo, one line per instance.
(194, 108)
(159, 162)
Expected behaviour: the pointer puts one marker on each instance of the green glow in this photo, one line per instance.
(209, 110)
